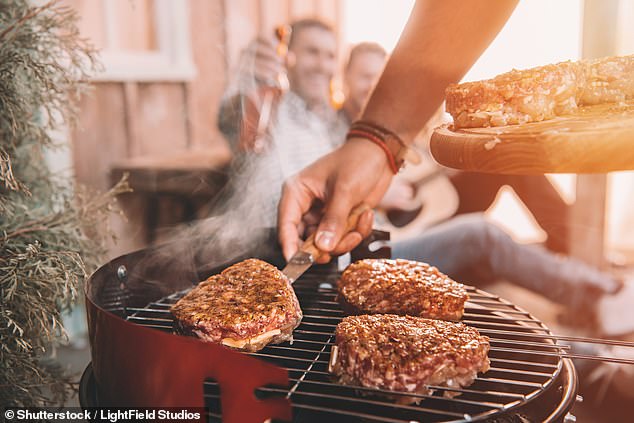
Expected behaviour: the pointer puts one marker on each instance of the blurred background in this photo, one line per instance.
(166, 64)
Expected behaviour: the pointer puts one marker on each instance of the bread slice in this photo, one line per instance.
(537, 94)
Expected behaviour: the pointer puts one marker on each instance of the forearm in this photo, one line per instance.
(441, 41)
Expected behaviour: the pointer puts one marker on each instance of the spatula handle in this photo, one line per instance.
(309, 245)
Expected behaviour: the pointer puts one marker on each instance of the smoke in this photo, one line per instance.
(240, 221)
(243, 217)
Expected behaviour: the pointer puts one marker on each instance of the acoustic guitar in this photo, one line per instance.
(435, 200)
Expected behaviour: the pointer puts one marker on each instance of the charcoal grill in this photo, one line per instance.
(137, 357)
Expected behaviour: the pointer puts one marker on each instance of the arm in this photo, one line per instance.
(440, 42)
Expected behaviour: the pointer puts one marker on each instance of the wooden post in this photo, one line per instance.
(587, 216)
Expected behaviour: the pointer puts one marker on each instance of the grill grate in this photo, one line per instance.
(525, 360)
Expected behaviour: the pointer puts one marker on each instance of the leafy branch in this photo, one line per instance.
(52, 231)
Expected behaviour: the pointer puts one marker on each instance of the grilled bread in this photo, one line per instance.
(400, 287)
(407, 354)
(248, 306)
(537, 94)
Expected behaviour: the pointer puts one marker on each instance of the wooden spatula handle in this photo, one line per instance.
(309, 245)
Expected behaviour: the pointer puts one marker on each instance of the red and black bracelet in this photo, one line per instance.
(352, 133)
(391, 144)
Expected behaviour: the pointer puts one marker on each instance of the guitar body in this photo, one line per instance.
(435, 200)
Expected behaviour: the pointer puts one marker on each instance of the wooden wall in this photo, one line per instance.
(130, 119)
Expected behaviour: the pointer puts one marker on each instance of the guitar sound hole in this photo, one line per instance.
(401, 218)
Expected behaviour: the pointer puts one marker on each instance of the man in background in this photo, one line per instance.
(257, 100)
(361, 71)
(274, 132)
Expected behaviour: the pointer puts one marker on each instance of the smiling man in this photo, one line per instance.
(255, 105)
(275, 132)
(311, 62)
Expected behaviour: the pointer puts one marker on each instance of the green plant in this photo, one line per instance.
(45, 250)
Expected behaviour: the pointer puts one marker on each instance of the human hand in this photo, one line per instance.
(260, 61)
(356, 173)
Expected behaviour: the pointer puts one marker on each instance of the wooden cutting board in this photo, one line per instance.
(597, 139)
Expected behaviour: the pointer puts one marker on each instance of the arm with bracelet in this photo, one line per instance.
(440, 42)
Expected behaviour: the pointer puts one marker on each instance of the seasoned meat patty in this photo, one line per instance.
(400, 287)
(248, 306)
(541, 93)
(406, 353)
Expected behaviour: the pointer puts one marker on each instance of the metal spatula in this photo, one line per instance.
(308, 252)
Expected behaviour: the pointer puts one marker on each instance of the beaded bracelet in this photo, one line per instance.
(395, 149)
(378, 141)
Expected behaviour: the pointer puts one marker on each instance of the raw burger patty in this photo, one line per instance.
(406, 353)
(400, 287)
